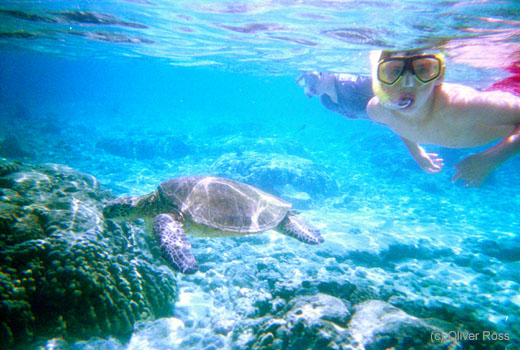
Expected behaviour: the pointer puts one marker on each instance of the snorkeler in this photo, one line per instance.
(345, 94)
(414, 102)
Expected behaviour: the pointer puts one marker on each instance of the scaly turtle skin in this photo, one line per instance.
(209, 206)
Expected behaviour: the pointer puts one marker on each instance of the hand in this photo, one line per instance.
(310, 81)
(431, 163)
(474, 169)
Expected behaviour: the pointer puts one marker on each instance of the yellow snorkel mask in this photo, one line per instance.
(388, 68)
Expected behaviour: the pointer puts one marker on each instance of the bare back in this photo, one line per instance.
(456, 116)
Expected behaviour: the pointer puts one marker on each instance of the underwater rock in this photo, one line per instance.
(342, 288)
(118, 147)
(300, 313)
(307, 322)
(507, 250)
(273, 172)
(164, 333)
(7, 167)
(298, 199)
(149, 148)
(314, 309)
(64, 271)
(377, 325)
(394, 253)
(10, 148)
(239, 144)
(20, 113)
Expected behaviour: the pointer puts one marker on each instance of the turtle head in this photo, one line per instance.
(131, 207)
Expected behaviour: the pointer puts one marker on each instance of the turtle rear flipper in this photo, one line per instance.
(175, 247)
(296, 227)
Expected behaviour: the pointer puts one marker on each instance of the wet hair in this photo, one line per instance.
(386, 54)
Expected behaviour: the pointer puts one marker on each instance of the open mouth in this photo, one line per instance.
(404, 102)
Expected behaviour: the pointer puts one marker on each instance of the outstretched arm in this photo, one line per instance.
(475, 168)
(317, 84)
(345, 94)
(429, 162)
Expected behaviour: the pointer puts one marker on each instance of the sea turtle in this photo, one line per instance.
(209, 207)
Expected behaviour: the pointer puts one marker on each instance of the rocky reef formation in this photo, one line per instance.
(379, 325)
(7, 167)
(307, 322)
(64, 270)
(145, 148)
(10, 147)
(322, 321)
(333, 309)
(293, 178)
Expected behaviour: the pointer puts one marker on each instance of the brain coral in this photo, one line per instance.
(66, 272)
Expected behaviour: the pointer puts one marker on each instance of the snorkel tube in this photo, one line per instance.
(383, 97)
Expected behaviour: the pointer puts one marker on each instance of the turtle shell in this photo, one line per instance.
(223, 204)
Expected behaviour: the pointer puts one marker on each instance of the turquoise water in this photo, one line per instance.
(136, 92)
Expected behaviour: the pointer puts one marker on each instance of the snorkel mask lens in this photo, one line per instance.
(425, 68)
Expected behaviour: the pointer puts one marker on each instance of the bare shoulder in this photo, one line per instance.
(377, 112)
(456, 93)
(485, 106)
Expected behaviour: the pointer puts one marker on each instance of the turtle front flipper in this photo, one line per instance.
(175, 247)
(296, 227)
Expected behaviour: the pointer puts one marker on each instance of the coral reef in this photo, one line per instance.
(64, 271)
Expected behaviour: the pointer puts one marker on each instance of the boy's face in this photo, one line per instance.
(414, 86)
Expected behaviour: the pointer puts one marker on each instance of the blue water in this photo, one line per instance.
(219, 77)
